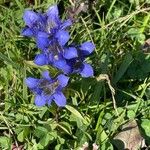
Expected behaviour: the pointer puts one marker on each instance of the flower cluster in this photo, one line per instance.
(51, 36)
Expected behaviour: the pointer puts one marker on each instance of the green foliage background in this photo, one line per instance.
(118, 29)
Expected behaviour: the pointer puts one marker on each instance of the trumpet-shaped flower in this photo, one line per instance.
(49, 33)
(50, 55)
(73, 60)
(46, 27)
(47, 89)
(48, 22)
(68, 59)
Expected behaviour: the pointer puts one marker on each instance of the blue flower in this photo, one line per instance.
(47, 89)
(41, 59)
(49, 33)
(50, 55)
(35, 22)
(73, 60)
(86, 48)
(47, 22)
(45, 27)
(68, 59)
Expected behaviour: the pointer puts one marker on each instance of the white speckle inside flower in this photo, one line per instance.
(56, 57)
(51, 24)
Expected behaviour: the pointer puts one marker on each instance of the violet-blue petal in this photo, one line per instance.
(37, 90)
(40, 100)
(61, 64)
(45, 75)
(53, 17)
(60, 99)
(70, 53)
(42, 40)
(49, 100)
(52, 11)
(50, 58)
(31, 82)
(66, 24)
(87, 47)
(63, 80)
(27, 32)
(41, 59)
(62, 37)
(52, 24)
(87, 70)
(30, 17)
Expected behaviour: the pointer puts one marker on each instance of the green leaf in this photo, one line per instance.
(19, 117)
(79, 122)
(42, 113)
(99, 122)
(23, 134)
(76, 113)
(20, 136)
(57, 147)
(40, 131)
(124, 66)
(146, 126)
(5, 142)
(9, 61)
(97, 92)
(136, 34)
(45, 140)
(131, 114)
(45, 136)
(101, 135)
(66, 127)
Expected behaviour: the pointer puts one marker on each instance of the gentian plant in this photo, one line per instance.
(51, 36)
(47, 89)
